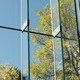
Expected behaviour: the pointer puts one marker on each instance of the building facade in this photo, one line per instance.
(40, 40)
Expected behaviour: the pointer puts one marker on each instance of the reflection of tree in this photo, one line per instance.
(71, 47)
(9, 73)
(42, 66)
(72, 59)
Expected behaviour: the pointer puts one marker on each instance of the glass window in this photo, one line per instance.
(10, 55)
(58, 62)
(41, 57)
(10, 13)
(49, 50)
(57, 49)
(24, 11)
(40, 18)
(70, 41)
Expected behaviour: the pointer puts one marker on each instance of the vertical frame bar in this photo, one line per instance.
(28, 40)
(21, 43)
(61, 40)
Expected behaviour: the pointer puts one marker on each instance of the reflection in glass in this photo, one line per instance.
(57, 50)
(40, 16)
(10, 57)
(42, 64)
(79, 3)
(24, 11)
(10, 13)
(78, 14)
(25, 56)
(71, 59)
(70, 41)
(58, 59)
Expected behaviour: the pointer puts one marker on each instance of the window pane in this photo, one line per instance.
(57, 49)
(24, 11)
(10, 13)
(10, 57)
(41, 59)
(68, 19)
(78, 13)
(58, 63)
(40, 16)
(55, 17)
(70, 41)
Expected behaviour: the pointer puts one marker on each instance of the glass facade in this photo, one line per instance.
(48, 47)
(70, 39)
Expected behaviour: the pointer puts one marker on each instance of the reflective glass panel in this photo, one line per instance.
(58, 63)
(10, 55)
(57, 49)
(10, 13)
(70, 40)
(78, 14)
(41, 57)
(40, 16)
(55, 18)
(24, 12)
(25, 55)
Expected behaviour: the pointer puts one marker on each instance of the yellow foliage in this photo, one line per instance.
(68, 1)
(61, 3)
(66, 44)
(45, 51)
(34, 69)
(8, 73)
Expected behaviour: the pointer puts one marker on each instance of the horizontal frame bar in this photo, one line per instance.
(15, 29)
